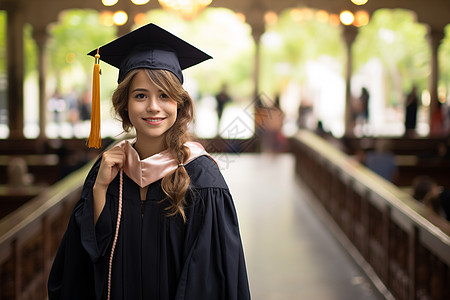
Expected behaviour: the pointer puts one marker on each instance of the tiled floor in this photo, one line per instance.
(290, 254)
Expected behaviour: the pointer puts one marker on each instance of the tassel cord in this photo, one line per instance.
(116, 234)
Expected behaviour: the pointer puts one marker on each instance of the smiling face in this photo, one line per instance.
(151, 111)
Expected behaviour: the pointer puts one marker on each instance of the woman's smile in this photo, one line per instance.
(154, 121)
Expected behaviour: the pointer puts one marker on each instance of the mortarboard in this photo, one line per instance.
(150, 47)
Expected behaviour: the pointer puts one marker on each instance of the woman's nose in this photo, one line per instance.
(153, 104)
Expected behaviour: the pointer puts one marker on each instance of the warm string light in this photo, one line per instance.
(114, 2)
(120, 17)
(346, 17)
(358, 19)
(140, 2)
(359, 2)
(140, 19)
(241, 17)
(188, 9)
(361, 18)
(270, 17)
(106, 18)
(109, 2)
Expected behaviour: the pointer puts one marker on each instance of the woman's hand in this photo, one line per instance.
(112, 161)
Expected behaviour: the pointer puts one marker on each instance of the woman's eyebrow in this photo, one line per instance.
(139, 90)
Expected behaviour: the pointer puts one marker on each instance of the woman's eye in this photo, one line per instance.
(164, 96)
(139, 96)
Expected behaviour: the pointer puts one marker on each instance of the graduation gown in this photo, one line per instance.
(156, 256)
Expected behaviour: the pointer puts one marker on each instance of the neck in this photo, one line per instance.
(147, 147)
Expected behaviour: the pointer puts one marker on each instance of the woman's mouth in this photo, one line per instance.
(153, 121)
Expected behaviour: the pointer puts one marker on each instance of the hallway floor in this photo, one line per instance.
(290, 254)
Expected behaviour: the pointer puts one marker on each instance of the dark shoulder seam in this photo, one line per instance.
(204, 169)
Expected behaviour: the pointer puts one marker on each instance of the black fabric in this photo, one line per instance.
(156, 257)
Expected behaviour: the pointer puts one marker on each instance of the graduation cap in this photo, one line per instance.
(150, 47)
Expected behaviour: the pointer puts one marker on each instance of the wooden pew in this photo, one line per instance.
(400, 146)
(45, 168)
(30, 236)
(48, 160)
(403, 246)
(439, 172)
(414, 156)
(11, 198)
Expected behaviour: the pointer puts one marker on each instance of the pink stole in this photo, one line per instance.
(155, 167)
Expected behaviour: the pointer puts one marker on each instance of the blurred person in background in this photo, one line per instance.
(411, 106)
(382, 161)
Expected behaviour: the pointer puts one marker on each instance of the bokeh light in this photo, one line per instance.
(106, 18)
(270, 17)
(322, 16)
(109, 2)
(296, 14)
(140, 2)
(346, 17)
(70, 57)
(241, 17)
(361, 18)
(359, 2)
(334, 20)
(120, 17)
(140, 19)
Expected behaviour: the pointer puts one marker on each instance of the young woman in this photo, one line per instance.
(156, 219)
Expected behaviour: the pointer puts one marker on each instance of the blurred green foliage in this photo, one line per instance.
(2, 42)
(400, 43)
(393, 36)
(290, 44)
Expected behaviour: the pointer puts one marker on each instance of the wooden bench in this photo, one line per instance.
(439, 172)
(414, 157)
(402, 245)
(11, 198)
(45, 168)
(29, 238)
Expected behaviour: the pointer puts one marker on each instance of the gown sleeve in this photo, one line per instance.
(73, 274)
(215, 265)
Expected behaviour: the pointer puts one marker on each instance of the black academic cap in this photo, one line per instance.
(150, 47)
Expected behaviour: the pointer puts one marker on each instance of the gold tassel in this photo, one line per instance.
(94, 140)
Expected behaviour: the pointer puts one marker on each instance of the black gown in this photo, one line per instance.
(156, 256)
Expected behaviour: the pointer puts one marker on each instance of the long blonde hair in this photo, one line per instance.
(176, 183)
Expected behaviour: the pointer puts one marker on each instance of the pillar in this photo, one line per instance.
(40, 36)
(349, 34)
(256, 66)
(15, 70)
(255, 18)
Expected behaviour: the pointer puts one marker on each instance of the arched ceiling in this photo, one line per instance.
(435, 13)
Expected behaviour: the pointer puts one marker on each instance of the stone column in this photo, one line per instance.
(256, 66)
(15, 72)
(40, 36)
(255, 18)
(349, 34)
